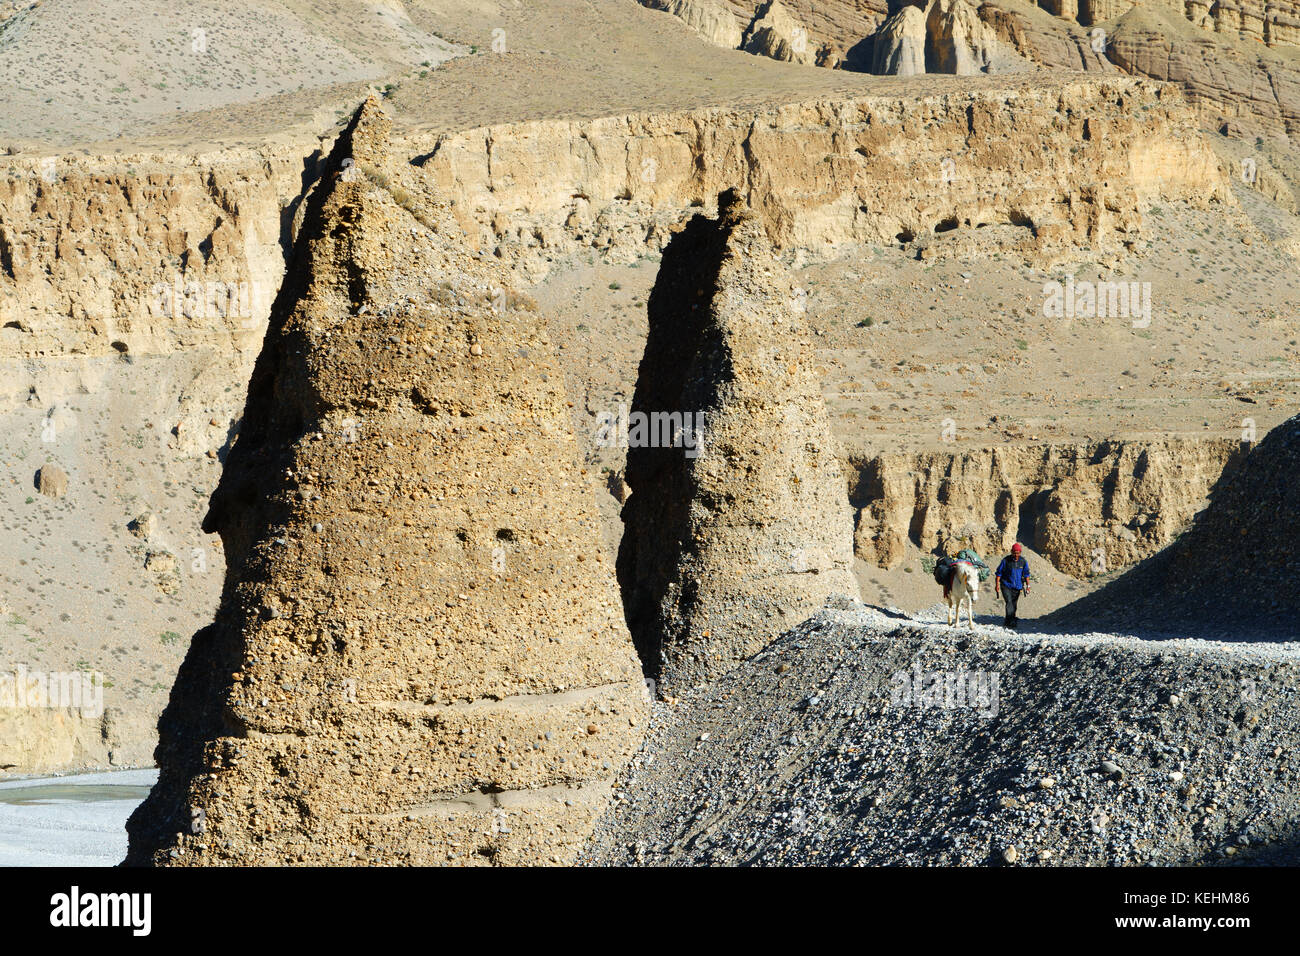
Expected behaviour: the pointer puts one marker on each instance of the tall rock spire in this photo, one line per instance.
(420, 655)
(742, 528)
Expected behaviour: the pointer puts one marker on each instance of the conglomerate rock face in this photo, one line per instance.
(738, 524)
(419, 656)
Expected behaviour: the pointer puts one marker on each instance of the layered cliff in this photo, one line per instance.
(155, 252)
(1233, 572)
(1272, 22)
(1236, 61)
(1069, 164)
(420, 655)
(1089, 509)
(1248, 84)
(1253, 86)
(168, 252)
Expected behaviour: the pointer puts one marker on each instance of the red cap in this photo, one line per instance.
(1015, 548)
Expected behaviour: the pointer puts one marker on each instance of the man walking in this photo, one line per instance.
(1012, 577)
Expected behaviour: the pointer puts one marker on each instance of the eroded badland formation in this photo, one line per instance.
(541, 462)
(444, 624)
(726, 542)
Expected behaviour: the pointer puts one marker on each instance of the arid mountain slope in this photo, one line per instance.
(153, 59)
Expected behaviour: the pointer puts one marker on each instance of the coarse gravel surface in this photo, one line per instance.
(1084, 749)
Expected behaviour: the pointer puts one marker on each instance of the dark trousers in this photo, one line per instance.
(1011, 596)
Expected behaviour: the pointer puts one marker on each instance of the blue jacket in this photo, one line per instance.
(1013, 573)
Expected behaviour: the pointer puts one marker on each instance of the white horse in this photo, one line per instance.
(964, 586)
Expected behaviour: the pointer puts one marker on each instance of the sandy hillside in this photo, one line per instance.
(87, 586)
(269, 65)
(153, 60)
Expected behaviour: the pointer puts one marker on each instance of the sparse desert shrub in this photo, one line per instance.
(521, 301)
(376, 176)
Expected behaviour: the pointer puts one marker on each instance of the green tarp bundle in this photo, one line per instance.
(966, 554)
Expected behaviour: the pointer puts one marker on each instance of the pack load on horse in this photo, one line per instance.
(943, 569)
(968, 555)
(945, 566)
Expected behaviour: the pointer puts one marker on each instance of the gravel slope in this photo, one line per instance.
(800, 756)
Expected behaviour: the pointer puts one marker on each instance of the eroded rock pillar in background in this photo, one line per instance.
(730, 542)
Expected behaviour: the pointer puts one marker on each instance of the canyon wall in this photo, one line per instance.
(44, 739)
(1272, 22)
(1231, 59)
(1251, 86)
(1087, 508)
(144, 253)
(1235, 568)
(1069, 165)
(158, 253)
(846, 35)
(1254, 88)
